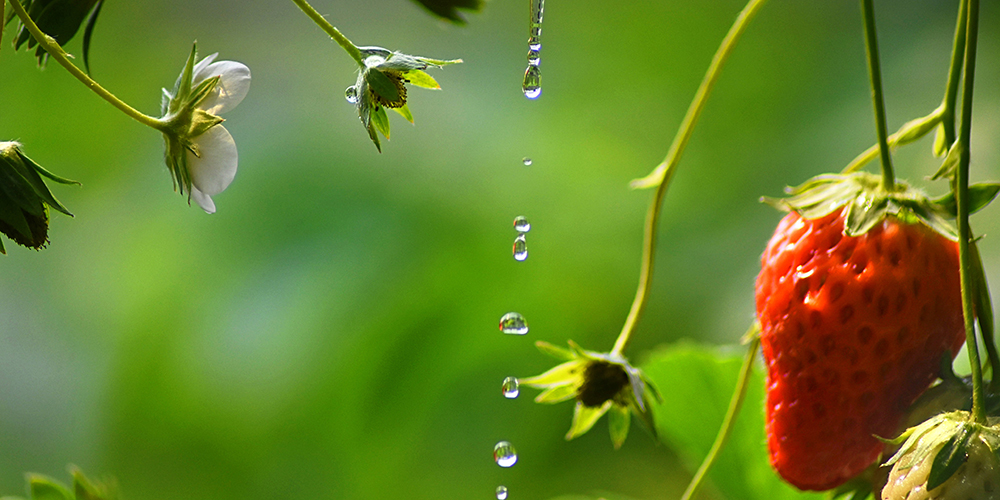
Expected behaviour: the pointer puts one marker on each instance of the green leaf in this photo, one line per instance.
(46, 488)
(421, 79)
(950, 458)
(950, 162)
(381, 121)
(980, 195)
(448, 9)
(404, 111)
(88, 31)
(701, 380)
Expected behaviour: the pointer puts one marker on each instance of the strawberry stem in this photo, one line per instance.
(664, 172)
(729, 421)
(875, 74)
(348, 46)
(954, 75)
(964, 233)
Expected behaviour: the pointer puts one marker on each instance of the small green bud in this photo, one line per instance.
(25, 199)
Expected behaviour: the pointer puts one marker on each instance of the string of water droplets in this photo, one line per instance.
(532, 85)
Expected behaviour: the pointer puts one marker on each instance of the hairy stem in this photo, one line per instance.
(875, 74)
(969, 286)
(347, 45)
(56, 52)
(739, 393)
(664, 172)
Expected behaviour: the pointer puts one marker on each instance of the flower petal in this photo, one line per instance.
(234, 83)
(203, 200)
(212, 172)
(584, 417)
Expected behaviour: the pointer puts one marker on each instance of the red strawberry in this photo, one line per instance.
(853, 329)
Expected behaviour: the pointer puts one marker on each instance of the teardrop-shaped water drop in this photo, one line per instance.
(511, 387)
(520, 248)
(532, 85)
(351, 94)
(526, 161)
(513, 323)
(501, 492)
(521, 224)
(505, 454)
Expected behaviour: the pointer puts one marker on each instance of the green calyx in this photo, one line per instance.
(25, 198)
(867, 203)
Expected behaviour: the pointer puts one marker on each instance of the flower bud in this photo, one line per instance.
(24, 198)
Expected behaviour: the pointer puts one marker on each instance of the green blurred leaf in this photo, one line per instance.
(701, 380)
(46, 488)
(448, 9)
(404, 111)
(381, 121)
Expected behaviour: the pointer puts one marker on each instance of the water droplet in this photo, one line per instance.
(372, 61)
(534, 57)
(513, 323)
(511, 387)
(532, 85)
(520, 248)
(501, 492)
(526, 161)
(521, 224)
(351, 94)
(504, 454)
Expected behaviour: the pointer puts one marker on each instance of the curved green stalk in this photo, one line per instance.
(739, 393)
(962, 194)
(56, 52)
(662, 175)
(875, 74)
(348, 46)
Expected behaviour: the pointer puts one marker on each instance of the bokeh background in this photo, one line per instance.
(331, 331)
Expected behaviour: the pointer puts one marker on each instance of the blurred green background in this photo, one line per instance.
(331, 331)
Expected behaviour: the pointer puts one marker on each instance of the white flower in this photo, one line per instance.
(201, 154)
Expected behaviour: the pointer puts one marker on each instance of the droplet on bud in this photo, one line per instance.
(351, 94)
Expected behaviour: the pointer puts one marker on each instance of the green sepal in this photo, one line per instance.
(618, 423)
(421, 79)
(557, 394)
(201, 121)
(980, 195)
(381, 121)
(46, 488)
(88, 31)
(584, 418)
(935, 429)
(31, 173)
(374, 136)
(203, 90)
(404, 111)
(950, 163)
(554, 351)
(983, 301)
(940, 147)
(953, 454)
(84, 488)
(398, 61)
(11, 214)
(382, 85)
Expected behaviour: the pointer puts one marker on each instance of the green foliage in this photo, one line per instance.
(698, 383)
(448, 9)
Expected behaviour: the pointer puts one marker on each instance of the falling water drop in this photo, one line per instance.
(521, 224)
(351, 94)
(505, 454)
(535, 56)
(520, 248)
(526, 161)
(513, 323)
(501, 492)
(532, 85)
(510, 387)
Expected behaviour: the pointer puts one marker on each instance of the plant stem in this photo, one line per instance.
(665, 171)
(954, 75)
(909, 132)
(348, 46)
(968, 281)
(56, 52)
(739, 393)
(875, 73)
